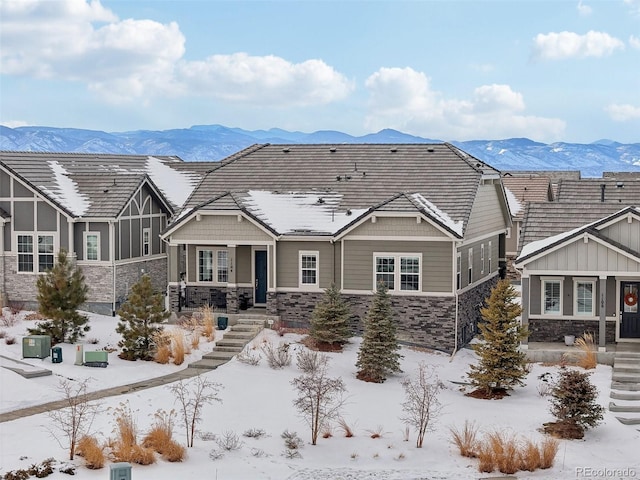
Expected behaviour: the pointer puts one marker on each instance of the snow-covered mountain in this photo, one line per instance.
(214, 142)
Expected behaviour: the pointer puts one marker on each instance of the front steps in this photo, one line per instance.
(233, 342)
(625, 384)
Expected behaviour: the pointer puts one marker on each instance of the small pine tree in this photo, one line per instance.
(60, 292)
(330, 319)
(501, 365)
(573, 403)
(140, 314)
(378, 355)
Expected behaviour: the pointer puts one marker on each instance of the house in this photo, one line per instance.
(621, 190)
(273, 226)
(580, 267)
(522, 189)
(106, 210)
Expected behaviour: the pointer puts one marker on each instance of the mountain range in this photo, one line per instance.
(214, 142)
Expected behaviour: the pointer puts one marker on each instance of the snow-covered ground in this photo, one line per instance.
(258, 397)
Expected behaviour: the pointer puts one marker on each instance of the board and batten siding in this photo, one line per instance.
(586, 257)
(220, 228)
(625, 233)
(436, 268)
(94, 227)
(487, 213)
(535, 294)
(396, 227)
(288, 262)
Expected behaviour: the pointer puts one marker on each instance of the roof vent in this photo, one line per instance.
(338, 178)
(333, 149)
(286, 150)
(320, 200)
(619, 185)
(430, 149)
(348, 212)
(393, 150)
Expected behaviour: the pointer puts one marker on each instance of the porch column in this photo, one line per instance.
(602, 330)
(232, 287)
(524, 297)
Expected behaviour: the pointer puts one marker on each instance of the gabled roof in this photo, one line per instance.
(573, 214)
(606, 190)
(525, 189)
(90, 185)
(358, 176)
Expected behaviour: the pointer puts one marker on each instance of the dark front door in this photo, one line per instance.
(630, 322)
(260, 293)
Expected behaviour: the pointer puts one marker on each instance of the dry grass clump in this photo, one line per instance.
(465, 440)
(178, 347)
(530, 456)
(125, 447)
(345, 427)
(589, 358)
(208, 324)
(506, 451)
(548, 451)
(163, 347)
(92, 452)
(195, 342)
(159, 438)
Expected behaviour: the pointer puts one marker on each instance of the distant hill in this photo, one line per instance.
(214, 142)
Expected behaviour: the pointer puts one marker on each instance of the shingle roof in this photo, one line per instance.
(363, 175)
(622, 192)
(527, 189)
(95, 185)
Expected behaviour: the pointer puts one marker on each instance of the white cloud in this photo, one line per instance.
(558, 46)
(402, 98)
(634, 42)
(584, 10)
(121, 60)
(267, 80)
(623, 113)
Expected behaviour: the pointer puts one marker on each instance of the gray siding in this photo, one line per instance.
(437, 263)
(64, 233)
(487, 213)
(477, 260)
(23, 216)
(19, 190)
(288, 262)
(243, 264)
(535, 295)
(225, 228)
(626, 233)
(5, 184)
(47, 217)
(397, 227)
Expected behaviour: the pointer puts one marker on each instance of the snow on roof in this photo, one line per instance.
(514, 205)
(66, 193)
(175, 185)
(298, 212)
(438, 214)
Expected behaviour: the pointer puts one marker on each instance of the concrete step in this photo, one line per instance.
(255, 322)
(245, 327)
(625, 378)
(207, 364)
(623, 408)
(626, 368)
(234, 349)
(233, 335)
(218, 355)
(627, 356)
(630, 387)
(231, 342)
(625, 396)
(629, 421)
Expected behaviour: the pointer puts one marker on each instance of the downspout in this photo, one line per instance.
(112, 254)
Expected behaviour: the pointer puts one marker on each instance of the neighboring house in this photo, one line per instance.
(580, 266)
(522, 189)
(274, 225)
(621, 190)
(106, 210)
(554, 176)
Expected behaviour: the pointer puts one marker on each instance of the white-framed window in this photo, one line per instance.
(45, 252)
(399, 272)
(92, 246)
(470, 266)
(30, 254)
(458, 271)
(25, 253)
(212, 261)
(146, 241)
(552, 296)
(584, 291)
(489, 257)
(308, 268)
(482, 259)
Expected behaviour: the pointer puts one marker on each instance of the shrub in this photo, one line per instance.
(92, 452)
(8, 319)
(344, 426)
(195, 342)
(3, 333)
(589, 358)
(529, 456)
(229, 441)
(208, 327)
(291, 440)
(249, 358)
(159, 438)
(10, 340)
(277, 357)
(376, 433)
(178, 347)
(125, 448)
(548, 451)
(254, 433)
(466, 440)
(310, 362)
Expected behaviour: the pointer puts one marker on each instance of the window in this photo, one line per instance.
(407, 276)
(146, 241)
(309, 269)
(25, 253)
(584, 291)
(458, 270)
(91, 246)
(210, 261)
(45, 252)
(489, 257)
(470, 263)
(482, 259)
(552, 296)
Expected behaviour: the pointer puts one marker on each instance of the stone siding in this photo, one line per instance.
(470, 303)
(554, 330)
(127, 274)
(512, 273)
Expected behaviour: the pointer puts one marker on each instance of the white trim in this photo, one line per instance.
(214, 266)
(482, 259)
(85, 255)
(543, 281)
(379, 214)
(396, 238)
(148, 242)
(470, 266)
(404, 293)
(592, 281)
(397, 274)
(34, 253)
(561, 318)
(316, 284)
(477, 282)
(213, 213)
(494, 234)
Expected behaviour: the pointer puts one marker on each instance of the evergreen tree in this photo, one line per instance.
(140, 315)
(502, 365)
(573, 403)
(378, 355)
(330, 319)
(60, 292)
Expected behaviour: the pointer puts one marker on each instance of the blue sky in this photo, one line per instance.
(450, 70)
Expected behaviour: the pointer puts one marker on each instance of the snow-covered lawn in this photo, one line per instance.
(258, 397)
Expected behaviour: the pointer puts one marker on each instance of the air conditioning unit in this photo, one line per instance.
(120, 471)
(36, 346)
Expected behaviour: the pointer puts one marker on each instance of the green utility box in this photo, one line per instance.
(120, 471)
(96, 359)
(56, 355)
(223, 322)
(36, 346)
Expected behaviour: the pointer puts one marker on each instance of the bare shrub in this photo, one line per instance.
(546, 384)
(291, 454)
(229, 440)
(327, 431)
(249, 358)
(548, 451)
(310, 361)
(16, 307)
(195, 342)
(92, 452)
(216, 454)
(466, 440)
(277, 357)
(10, 340)
(3, 333)
(345, 427)
(254, 433)
(421, 405)
(291, 440)
(8, 318)
(208, 327)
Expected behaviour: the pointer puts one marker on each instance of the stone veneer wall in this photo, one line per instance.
(554, 330)
(512, 273)
(127, 274)
(469, 310)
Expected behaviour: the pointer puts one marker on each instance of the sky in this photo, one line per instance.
(550, 71)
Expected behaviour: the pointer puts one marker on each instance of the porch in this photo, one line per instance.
(553, 352)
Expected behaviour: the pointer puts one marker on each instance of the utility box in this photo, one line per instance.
(96, 359)
(56, 355)
(36, 346)
(223, 322)
(120, 471)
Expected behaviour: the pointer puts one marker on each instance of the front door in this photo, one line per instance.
(630, 318)
(260, 273)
